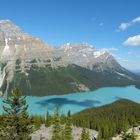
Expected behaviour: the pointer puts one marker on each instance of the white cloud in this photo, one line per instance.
(136, 20)
(124, 26)
(132, 41)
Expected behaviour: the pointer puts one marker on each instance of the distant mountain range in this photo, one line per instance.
(136, 72)
(39, 69)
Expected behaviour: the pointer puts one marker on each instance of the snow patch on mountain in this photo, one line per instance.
(6, 44)
(124, 75)
(98, 53)
(6, 50)
(84, 55)
(121, 74)
(2, 76)
(67, 48)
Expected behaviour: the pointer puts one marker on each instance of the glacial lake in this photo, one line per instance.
(78, 101)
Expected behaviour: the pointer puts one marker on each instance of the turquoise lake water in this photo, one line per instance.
(79, 101)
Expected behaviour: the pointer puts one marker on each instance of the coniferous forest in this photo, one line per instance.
(111, 119)
(108, 120)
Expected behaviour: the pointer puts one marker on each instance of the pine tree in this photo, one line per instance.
(125, 124)
(3, 125)
(63, 134)
(68, 128)
(85, 135)
(57, 133)
(105, 132)
(37, 121)
(18, 125)
(99, 135)
(48, 119)
(63, 119)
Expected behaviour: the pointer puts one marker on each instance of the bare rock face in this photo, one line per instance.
(87, 56)
(15, 44)
(27, 62)
(18, 47)
(46, 133)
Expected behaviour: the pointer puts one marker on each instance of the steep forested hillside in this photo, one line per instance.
(42, 81)
(110, 119)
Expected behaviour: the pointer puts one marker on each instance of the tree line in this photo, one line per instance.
(16, 124)
(111, 119)
(108, 120)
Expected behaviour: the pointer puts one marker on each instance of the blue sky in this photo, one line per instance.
(110, 24)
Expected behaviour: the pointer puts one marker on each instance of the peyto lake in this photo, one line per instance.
(79, 101)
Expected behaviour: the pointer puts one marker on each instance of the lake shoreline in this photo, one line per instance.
(76, 102)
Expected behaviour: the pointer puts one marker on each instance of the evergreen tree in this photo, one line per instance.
(63, 134)
(63, 119)
(85, 135)
(37, 121)
(18, 125)
(106, 132)
(125, 124)
(99, 135)
(3, 125)
(48, 119)
(57, 133)
(68, 128)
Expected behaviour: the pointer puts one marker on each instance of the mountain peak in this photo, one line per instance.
(9, 29)
(5, 21)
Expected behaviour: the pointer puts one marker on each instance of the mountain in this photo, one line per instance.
(39, 69)
(136, 72)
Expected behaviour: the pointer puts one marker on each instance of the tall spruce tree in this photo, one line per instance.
(68, 128)
(48, 120)
(99, 135)
(18, 125)
(56, 132)
(85, 135)
(63, 119)
(63, 134)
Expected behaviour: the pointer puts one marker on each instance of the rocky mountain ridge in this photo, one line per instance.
(27, 62)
